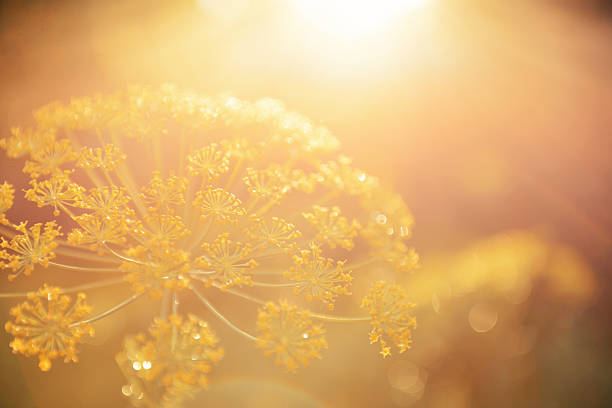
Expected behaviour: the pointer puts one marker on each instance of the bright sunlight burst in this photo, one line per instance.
(354, 17)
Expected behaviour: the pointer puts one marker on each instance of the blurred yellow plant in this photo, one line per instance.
(177, 193)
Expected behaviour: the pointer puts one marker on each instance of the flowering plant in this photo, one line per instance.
(181, 195)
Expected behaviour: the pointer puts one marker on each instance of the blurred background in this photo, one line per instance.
(492, 118)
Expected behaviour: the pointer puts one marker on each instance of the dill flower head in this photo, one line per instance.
(176, 194)
(48, 325)
(392, 320)
(32, 246)
(172, 362)
(318, 277)
(288, 334)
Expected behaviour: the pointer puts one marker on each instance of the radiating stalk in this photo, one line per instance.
(109, 311)
(86, 269)
(220, 316)
(339, 319)
(93, 285)
(277, 285)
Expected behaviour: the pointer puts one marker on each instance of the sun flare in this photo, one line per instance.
(354, 17)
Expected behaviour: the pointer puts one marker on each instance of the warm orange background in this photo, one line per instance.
(488, 116)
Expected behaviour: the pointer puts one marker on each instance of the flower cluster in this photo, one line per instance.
(32, 246)
(288, 334)
(49, 325)
(176, 193)
(319, 277)
(391, 317)
(173, 361)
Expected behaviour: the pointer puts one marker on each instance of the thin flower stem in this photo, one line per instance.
(191, 186)
(202, 235)
(254, 273)
(67, 211)
(157, 151)
(108, 178)
(175, 304)
(253, 200)
(94, 285)
(90, 173)
(330, 195)
(220, 316)
(125, 258)
(86, 269)
(9, 233)
(235, 172)
(165, 304)
(277, 285)
(360, 264)
(201, 272)
(269, 253)
(125, 178)
(75, 252)
(109, 311)
(339, 319)
(181, 152)
(266, 207)
(240, 294)
(86, 286)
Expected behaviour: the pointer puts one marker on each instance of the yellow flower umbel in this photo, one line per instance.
(288, 334)
(227, 262)
(173, 362)
(33, 246)
(178, 195)
(319, 278)
(333, 229)
(391, 317)
(49, 325)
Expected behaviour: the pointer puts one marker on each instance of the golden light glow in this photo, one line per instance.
(488, 119)
(354, 17)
